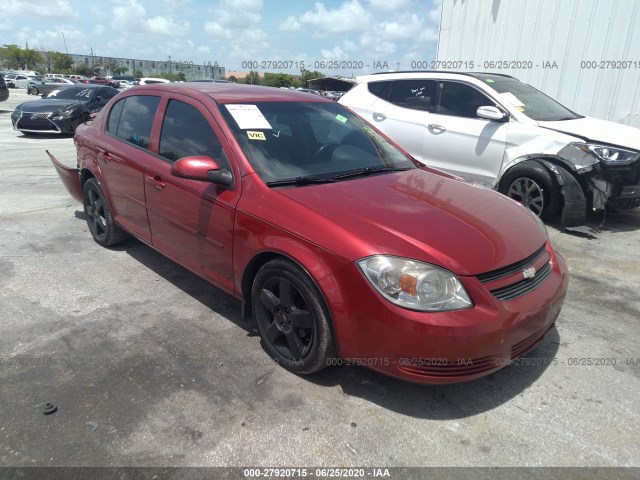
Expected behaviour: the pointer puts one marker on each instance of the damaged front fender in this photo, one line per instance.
(574, 209)
(70, 178)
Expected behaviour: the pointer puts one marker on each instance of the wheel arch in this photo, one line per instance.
(251, 270)
(570, 185)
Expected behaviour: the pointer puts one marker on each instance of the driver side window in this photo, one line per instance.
(460, 100)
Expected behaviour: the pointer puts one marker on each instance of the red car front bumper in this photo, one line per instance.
(443, 347)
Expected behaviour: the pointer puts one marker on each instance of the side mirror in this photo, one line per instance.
(492, 113)
(205, 169)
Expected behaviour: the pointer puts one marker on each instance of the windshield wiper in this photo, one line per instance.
(363, 172)
(300, 181)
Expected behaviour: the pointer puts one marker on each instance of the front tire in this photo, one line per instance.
(292, 317)
(531, 185)
(96, 209)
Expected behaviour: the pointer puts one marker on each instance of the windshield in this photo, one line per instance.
(295, 140)
(533, 103)
(71, 93)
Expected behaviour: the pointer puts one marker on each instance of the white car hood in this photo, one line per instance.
(597, 130)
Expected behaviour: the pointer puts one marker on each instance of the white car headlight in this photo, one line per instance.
(610, 155)
(415, 285)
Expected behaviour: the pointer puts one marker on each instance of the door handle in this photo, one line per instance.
(379, 117)
(105, 155)
(157, 182)
(436, 129)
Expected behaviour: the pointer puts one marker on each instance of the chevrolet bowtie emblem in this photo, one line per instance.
(529, 272)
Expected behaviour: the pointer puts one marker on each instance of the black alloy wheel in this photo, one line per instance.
(291, 317)
(101, 225)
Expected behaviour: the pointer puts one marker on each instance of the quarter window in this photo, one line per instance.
(380, 89)
(186, 133)
(460, 100)
(131, 119)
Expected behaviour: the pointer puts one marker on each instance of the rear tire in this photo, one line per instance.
(96, 209)
(530, 184)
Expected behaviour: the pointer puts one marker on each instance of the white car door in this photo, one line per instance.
(401, 111)
(460, 142)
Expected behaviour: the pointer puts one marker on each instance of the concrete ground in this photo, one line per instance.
(151, 366)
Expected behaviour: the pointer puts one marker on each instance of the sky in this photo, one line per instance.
(356, 36)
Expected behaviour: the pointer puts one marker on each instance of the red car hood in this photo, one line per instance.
(429, 217)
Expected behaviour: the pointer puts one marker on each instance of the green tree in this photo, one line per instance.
(277, 80)
(31, 59)
(20, 59)
(138, 74)
(232, 78)
(11, 56)
(253, 78)
(82, 69)
(309, 75)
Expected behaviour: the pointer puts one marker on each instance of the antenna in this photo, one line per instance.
(65, 44)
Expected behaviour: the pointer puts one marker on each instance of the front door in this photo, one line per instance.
(191, 221)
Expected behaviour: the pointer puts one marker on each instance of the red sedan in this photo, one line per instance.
(342, 247)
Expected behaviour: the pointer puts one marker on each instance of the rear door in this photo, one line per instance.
(402, 112)
(122, 160)
(192, 221)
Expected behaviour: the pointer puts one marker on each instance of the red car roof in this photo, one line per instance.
(234, 93)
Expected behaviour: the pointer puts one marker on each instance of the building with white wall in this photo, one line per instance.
(584, 53)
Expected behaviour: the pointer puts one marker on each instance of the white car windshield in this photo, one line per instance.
(533, 103)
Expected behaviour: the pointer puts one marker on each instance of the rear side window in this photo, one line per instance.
(414, 94)
(186, 133)
(461, 100)
(380, 89)
(131, 119)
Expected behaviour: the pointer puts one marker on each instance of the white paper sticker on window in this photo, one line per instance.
(512, 99)
(248, 116)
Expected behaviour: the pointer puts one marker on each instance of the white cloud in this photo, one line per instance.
(350, 45)
(204, 49)
(435, 13)
(335, 53)
(237, 24)
(130, 16)
(404, 28)
(428, 35)
(291, 24)
(99, 30)
(388, 5)
(348, 17)
(373, 44)
(39, 8)
(166, 26)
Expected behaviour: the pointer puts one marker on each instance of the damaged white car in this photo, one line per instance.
(506, 135)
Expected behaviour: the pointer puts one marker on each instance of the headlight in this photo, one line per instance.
(415, 285)
(62, 115)
(610, 155)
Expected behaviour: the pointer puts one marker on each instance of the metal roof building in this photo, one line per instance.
(584, 53)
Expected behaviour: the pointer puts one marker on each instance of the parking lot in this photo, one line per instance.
(149, 365)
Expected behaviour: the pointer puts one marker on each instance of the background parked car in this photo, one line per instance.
(151, 81)
(62, 110)
(508, 135)
(48, 85)
(21, 81)
(9, 80)
(103, 81)
(4, 91)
